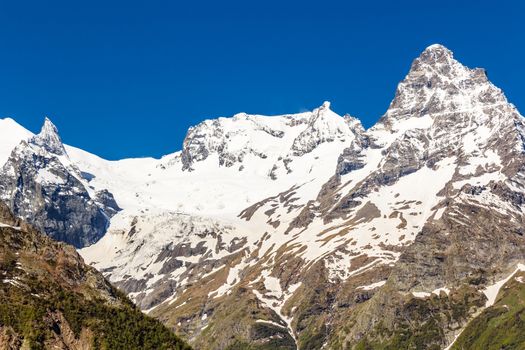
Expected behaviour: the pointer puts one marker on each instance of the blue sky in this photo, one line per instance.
(127, 79)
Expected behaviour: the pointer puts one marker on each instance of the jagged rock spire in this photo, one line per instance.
(49, 139)
(437, 84)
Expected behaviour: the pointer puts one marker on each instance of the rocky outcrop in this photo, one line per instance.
(467, 244)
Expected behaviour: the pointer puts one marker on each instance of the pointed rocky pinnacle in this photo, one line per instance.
(49, 139)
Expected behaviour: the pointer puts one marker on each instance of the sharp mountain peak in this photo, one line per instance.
(49, 138)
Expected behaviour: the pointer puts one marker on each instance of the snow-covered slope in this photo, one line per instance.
(226, 164)
(11, 133)
(194, 198)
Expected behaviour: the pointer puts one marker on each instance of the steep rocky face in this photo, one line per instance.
(41, 185)
(474, 236)
(49, 299)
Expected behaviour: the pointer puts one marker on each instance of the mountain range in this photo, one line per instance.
(307, 231)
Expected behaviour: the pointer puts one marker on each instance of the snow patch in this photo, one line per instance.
(491, 292)
(372, 286)
(10, 226)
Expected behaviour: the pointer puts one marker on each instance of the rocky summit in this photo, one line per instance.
(307, 231)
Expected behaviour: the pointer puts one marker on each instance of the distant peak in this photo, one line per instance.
(48, 127)
(326, 105)
(436, 47)
(437, 85)
(436, 60)
(436, 53)
(8, 120)
(48, 138)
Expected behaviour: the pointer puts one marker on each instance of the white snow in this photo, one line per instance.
(46, 176)
(491, 292)
(439, 213)
(372, 286)
(231, 280)
(270, 322)
(421, 294)
(13, 227)
(274, 297)
(442, 289)
(11, 134)
(436, 291)
(13, 282)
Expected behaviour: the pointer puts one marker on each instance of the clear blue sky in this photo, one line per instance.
(127, 79)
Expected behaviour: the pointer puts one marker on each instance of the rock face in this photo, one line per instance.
(50, 299)
(40, 184)
(307, 231)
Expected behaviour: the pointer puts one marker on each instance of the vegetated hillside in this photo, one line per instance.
(502, 325)
(49, 299)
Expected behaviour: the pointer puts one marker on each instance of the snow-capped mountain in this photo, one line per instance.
(306, 230)
(41, 184)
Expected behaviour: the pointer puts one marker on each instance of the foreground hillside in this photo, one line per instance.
(49, 299)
